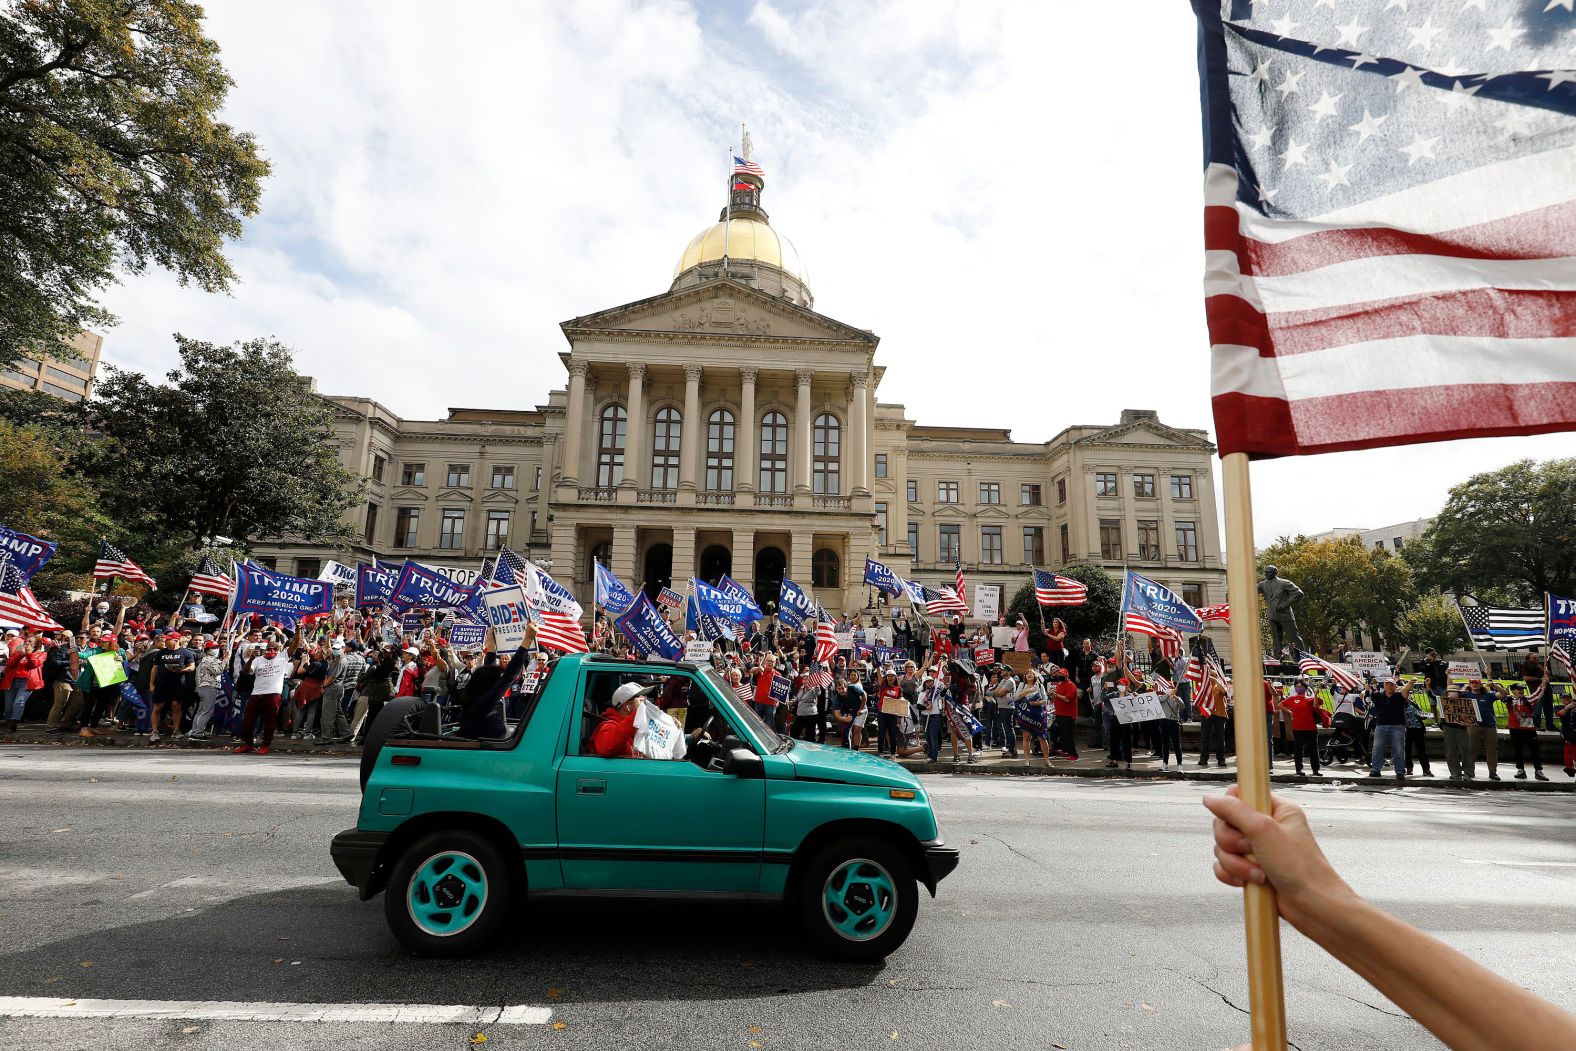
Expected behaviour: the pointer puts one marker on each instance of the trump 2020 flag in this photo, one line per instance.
(794, 605)
(1561, 628)
(643, 626)
(883, 579)
(1388, 221)
(715, 602)
(1154, 605)
(706, 626)
(611, 594)
(27, 553)
(737, 592)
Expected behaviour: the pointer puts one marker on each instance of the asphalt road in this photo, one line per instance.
(1083, 916)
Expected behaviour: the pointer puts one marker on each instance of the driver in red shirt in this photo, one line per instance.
(614, 736)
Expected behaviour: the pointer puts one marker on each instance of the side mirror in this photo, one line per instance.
(741, 762)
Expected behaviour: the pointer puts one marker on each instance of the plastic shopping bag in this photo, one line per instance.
(657, 736)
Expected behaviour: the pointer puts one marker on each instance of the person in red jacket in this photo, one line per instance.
(23, 675)
(1064, 701)
(614, 736)
(1301, 705)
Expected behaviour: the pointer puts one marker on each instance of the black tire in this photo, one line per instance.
(861, 916)
(434, 885)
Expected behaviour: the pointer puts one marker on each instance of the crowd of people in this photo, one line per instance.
(899, 688)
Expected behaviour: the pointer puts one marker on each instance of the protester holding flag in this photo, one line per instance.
(268, 669)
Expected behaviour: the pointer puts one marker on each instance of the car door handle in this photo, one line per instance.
(588, 786)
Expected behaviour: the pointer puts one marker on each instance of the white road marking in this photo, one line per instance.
(234, 1011)
(1521, 864)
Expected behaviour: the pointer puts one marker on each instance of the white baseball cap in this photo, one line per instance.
(628, 692)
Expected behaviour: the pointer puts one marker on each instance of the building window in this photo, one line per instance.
(1067, 547)
(28, 382)
(1111, 539)
(826, 449)
(950, 543)
(502, 477)
(913, 491)
(881, 523)
(774, 453)
(1193, 595)
(1061, 491)
(665, 438)
(1148, 540)
(459, 476)
(61, 392)
(1187, 541)
(309, 567)
(719, 451)
(881, 465)
(990, 492)
(1105, 483)
(946, 492)
(538, 483)
(1398, 541)
(1144, 486)
(1181, 487)
(990, 545)
(1029, 495)
(913, 540)
(497, 529)
(825, 569)
(407, 520)
(1034, 545)
(28, 363)
(611, 434)
(451, 530)
(369, 532)
(413, 474)
(270, 564)
(76, 383)
(378, 464)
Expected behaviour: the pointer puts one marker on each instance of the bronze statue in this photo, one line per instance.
(1279, 595)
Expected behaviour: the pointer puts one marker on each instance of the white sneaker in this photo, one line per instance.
(154, 738)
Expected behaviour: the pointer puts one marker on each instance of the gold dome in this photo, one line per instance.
(748, 239)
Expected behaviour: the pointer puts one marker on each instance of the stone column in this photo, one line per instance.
(1092, 517)
(745, 437)
(1124, 486)
(801, 434)
(692, 436)
(744, 558)
(858, 456)
(801, 549)
(574, 422)
(624, 555)
(683, 557)
(563, 554)
(635, 436)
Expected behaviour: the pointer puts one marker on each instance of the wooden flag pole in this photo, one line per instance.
(1266, 998)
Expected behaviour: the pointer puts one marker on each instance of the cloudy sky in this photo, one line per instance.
(1011, 207)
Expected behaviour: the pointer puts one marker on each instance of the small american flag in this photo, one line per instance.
(820, 678)
(1311, 665)
(1169, 638)
(1387, 221)
(1559, 655)
(744, 167)
(960, 589)
(112, 563)
(1161, 684)
(1220, 612)
(745, 692)
(1053, 590)
(210, 579)
(825, 639)
(17, 604)
(939, 601)
(510, 567)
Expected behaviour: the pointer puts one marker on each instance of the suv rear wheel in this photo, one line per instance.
(858, 899)
(448, 894)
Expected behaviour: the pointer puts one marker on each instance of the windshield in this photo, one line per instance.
(745, 713)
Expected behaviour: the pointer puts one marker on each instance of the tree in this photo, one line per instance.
(113, 155)
(42, 495)
(1433, 622)
(1345, 586)
(1097, 618)
(1505, 536)
(236, 446)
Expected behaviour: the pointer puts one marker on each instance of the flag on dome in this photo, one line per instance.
(1387, 237)
(744, 167)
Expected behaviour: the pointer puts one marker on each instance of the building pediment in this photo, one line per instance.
(451, 495)
(717, 310)
(1150, 433)
(405, 492)
(950, 511)
(500, 497)
(1033, 512)
(992, 511)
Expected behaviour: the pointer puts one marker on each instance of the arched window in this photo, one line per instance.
(827, 455)
(610, 447)
(665, 449)
(825, 569)
(719, 451)
(774, 453)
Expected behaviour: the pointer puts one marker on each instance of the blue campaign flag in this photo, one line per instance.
(279, 597)
(915, 592)
(882, 578)
(375, 584)
(1562, 621)
(1158, 604)
(611, 594)
(422, 588)
(737, 593)
(644, 627)
(794, 605)
(707, 627)
(781, 686)
(28, 553)
(715, 602)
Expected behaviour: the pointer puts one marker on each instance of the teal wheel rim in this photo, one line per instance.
(859, 900)
(447, 893)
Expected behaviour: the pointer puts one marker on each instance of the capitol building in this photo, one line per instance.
(724, 426)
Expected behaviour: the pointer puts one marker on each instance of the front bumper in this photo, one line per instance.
(356, 854)
(940, 860)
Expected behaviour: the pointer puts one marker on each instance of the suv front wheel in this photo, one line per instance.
(448, 894)
(858, 899)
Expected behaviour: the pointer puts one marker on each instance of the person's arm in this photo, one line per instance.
(120, 617)
(1418, 973)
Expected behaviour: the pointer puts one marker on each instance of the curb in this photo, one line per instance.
(1021, 769)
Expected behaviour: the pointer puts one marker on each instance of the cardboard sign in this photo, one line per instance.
(1018, 662)
(1458, 710)
(1136, 707)
(987, 601)
(697, 651)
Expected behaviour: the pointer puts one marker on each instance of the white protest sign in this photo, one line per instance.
(1464, 670)
(1136, 707)
(1002, 636)
(845, 640)
(506, 611)
(465, 577)
(697, 651)
(1371, 662)
(987, 601)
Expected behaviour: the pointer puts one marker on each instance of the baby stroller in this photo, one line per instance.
(1345, 741)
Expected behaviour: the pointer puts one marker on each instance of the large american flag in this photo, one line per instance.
(1390, 232)
(1053, 590)
(210, 579)
(1169, 638)
(825, 638)
(940, 601)
(112, 562)
(17, 605)
(1311, 665)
